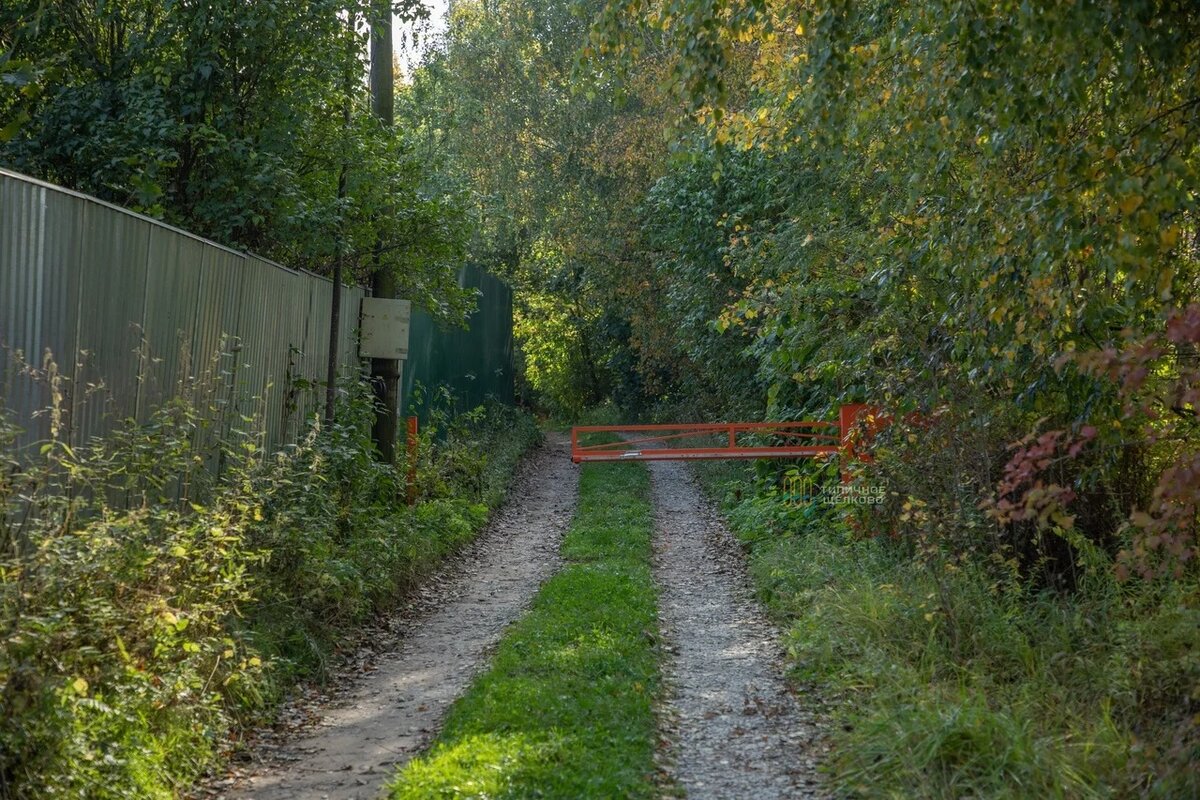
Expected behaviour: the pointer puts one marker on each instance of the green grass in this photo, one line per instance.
(567, 708)
(949, 686)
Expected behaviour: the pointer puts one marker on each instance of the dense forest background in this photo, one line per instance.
(983, 213)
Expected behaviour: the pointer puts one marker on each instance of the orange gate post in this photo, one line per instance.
(411, 482)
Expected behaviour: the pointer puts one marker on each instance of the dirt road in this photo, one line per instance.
(740, 733)
(385, 718)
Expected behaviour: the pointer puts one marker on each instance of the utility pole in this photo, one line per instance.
(335, 309)
(385, 372)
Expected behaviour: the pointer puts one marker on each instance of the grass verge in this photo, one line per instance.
(567, 708)
(354, 550)
(952, 686)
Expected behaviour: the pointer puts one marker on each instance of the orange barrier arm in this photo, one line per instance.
(804, 439)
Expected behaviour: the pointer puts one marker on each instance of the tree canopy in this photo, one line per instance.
(977, 211)
(230, 120)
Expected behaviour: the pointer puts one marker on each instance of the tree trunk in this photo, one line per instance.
(335, 306)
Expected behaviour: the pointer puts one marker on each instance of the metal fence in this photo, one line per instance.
(132, 312)
(473, 364)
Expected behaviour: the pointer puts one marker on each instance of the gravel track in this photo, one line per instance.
(381, 720)
(738, 731)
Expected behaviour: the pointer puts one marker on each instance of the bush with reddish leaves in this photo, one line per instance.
(1157, 382)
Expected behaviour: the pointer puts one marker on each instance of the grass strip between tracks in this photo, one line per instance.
(567, 709)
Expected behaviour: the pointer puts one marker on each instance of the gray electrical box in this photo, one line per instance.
(384, 323)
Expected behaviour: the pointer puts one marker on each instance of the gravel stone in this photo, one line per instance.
(737, 729)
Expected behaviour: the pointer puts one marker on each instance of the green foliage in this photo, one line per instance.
(951, 684)
(557, 171)
(925, 206)
(469, 455)
(236, 121)
(567, 708)
(342, 545)
(984, 212)
(552, 355)
(116, 648)
(147, 606)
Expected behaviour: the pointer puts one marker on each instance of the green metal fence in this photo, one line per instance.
(472, 365)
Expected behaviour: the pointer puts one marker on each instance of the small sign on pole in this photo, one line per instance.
(384, 324)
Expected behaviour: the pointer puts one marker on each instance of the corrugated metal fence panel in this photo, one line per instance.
(495, 320)
(112, 271)
(474, 364)
(348, 336)
(39, 294)
(135, 311)
(416, 371)
(296, 407)
(259, 360)
(214, 338)
(21, 265)
(172, 283)
(218, 307)
(316, 342)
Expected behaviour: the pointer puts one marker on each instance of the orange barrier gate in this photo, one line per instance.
(807, 439)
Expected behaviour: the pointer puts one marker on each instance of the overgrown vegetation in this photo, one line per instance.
(246, 123)
(951, 683)
(979, 216)
(149, 608)
(567, 708)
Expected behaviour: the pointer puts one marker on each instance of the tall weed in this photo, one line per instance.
(953, 683)
(150, 604)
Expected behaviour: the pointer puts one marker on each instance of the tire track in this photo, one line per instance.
(739, 732)
(385, 719)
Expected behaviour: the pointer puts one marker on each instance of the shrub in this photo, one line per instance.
(958, 684)
(148, 604)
